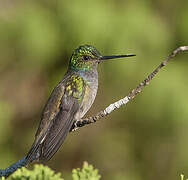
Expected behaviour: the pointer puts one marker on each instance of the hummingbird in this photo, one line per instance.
(68, 103)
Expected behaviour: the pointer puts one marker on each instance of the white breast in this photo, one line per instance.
(89, 97)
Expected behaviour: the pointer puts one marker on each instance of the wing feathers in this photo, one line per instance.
(58, 117)
(58, 132)
(50, 141)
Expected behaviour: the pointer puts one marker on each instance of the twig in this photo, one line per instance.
(8, 171)
(130, 96)
(23, 162)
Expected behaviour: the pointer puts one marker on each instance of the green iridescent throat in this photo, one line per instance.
(81, 66)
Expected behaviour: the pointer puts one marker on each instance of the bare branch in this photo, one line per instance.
(130, 96)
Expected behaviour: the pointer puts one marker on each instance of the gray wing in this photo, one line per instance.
(53, 135)
(59, 128)
(57, 120)
(52, 107)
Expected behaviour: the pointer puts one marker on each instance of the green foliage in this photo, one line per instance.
(86, 173)
(39, 172)
(182, 177)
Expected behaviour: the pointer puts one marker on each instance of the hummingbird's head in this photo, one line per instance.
(87, 57)
(84, 57)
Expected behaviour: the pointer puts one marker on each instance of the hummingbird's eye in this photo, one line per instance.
(85, 57)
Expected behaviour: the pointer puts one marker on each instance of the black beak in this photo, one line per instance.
(118, 56)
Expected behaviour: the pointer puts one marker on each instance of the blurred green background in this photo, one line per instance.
(145, 140)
